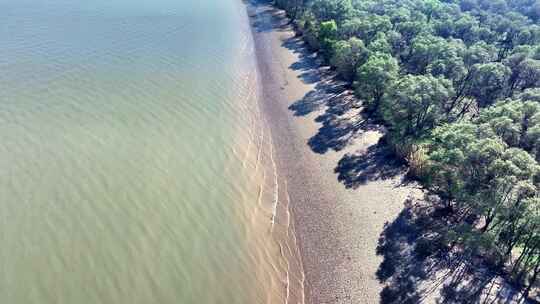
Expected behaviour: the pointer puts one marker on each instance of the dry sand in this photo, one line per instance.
(341, 189)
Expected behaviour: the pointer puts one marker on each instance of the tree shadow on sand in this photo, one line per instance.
(377, 163)
(276, 22)
(417, 265)
(417, 262)
(341, 120)
(308, 63)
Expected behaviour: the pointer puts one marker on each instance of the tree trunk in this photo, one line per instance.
(532, 281)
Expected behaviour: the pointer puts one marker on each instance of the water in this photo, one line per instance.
(135, 165)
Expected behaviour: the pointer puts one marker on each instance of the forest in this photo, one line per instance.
(457, 85)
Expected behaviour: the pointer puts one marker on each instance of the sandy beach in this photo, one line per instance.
(341, 187)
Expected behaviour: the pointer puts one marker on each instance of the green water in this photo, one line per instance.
(130, 151)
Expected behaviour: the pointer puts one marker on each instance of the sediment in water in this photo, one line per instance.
(269, 228)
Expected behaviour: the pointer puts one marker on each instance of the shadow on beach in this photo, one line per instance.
(276, 22)
(308, 64)
(417, 266)
(377, 163)
(341, 122)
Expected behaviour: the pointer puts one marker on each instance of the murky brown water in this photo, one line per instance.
(135, 166)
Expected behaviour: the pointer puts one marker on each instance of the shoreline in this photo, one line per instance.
(338, 213)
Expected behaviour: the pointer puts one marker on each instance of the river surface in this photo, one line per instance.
(135, 165)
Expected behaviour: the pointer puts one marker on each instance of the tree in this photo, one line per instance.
(294, 8)
(311, 32)
(411, 29)
(415, 105)
(347, 56)
(525, 75)
(424, 49)
(530, 95)
(448, 62)
(489, 82)
(327, 38)
(326, 10)
(466, 28)
(429, 50)
(429, 7)
(373, 78)
(479, 53)
(447, 154)
(380, 44)
(365, 28)
(480, 177)
(516, 122)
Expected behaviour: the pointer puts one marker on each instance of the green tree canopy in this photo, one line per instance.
(374, 77)
(414, 105)
(347, 56)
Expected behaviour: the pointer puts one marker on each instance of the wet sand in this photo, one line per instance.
(340, 186)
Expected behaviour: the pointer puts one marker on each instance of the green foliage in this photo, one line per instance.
(477, 171)
(373, 78)
(326, 10)
(328, 30)
(457, 83)
(294, 8)
(327, 38)
(516, 122)
(424, 49)
(380, 44)
(447, 154)
(525, 75)
(479, 53)
(489, 82)
(530, 94)
(347, 56)
(414, 105)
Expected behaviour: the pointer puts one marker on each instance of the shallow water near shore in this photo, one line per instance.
(135, 166)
